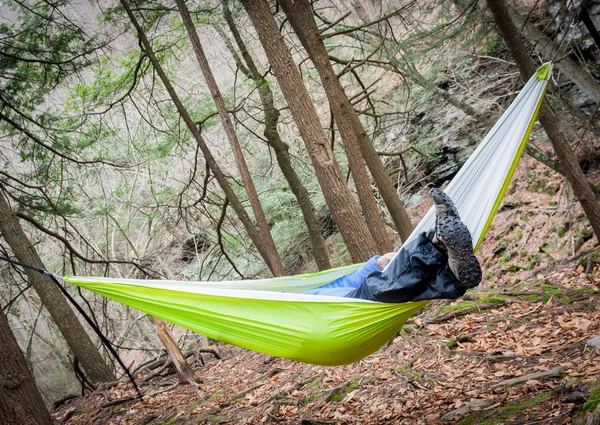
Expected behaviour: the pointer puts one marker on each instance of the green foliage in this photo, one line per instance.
(593, 399)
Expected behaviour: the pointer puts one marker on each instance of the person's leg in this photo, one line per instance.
(343, 285)
(418, 272)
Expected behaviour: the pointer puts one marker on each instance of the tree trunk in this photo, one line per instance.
(594, 417)
(184, 371)
(281, 149)
(342, 205)
(237, 206)
(546, 47)
(20, 400)
(259, 214)
(351, 129)
(547, 117)
(78, 340)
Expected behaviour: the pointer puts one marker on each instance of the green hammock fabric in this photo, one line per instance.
(274, 317)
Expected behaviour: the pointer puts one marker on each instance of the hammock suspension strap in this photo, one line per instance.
(105, 341)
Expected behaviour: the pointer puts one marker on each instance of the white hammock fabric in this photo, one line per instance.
(478, 188)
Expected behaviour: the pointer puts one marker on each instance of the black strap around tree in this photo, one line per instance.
(582, 15)
(109, 345)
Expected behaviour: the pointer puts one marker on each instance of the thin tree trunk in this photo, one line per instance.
(342, 205)
(184, 371)
(259, 214)
(547, 117)
(20, 401)
(594, 417)
(351, 129)
(208, 157)
(281, 149)
(70, 327)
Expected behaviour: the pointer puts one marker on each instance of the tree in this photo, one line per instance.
(20, 401)
(353, 133)
(193, 129)
(547, 117)
(259, 215)
(271, 134)
(342, 205)
(546, 47)
(75, 335)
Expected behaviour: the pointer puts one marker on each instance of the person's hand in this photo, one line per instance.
(385, 259)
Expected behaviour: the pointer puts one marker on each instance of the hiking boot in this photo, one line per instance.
(454, 236)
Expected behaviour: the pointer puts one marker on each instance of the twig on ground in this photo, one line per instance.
(555, 371)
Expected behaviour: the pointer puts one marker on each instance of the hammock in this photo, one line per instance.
(272, 315)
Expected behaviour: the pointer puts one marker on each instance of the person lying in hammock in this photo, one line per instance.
(436, 264)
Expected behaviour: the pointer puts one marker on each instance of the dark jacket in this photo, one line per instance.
(418, 272)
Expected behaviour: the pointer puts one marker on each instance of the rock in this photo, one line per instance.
(594, 342)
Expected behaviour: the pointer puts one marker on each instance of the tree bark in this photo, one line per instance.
(20, 401)
(208, 157)
(594, 417)
(70, 327)
(259, 214)
(281, 149)
(351, 129)
(547, 117)
(184, 371)
(343, 207)
(546, 47)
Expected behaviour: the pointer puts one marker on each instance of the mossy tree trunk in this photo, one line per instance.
(20, 400)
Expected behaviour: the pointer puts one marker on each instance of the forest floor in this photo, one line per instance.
(513, 351)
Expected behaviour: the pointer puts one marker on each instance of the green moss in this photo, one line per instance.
(216, 394)
(531, 298)
(403, 370)
(409, 329)
(503, 413)
(311, 397)
(195, 405)
(351, 387)
(512, 408)
(507, 257)
(470, 420)
(593, 399)
(492, 300)
(315, 383)
(513, 268)
(452, 344)
(337, 397)
(341, 395)
(554, 290)
(568, 296)
(460, 306)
